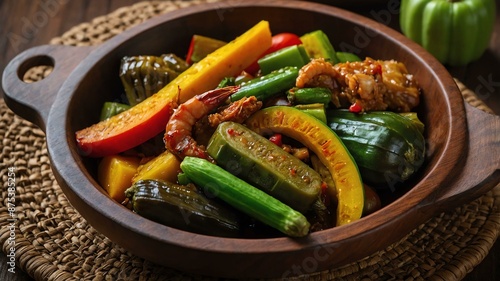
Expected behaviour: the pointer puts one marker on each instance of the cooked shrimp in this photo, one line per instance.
(237, 111)
(369, 84)
(178, 139)
(313, 69)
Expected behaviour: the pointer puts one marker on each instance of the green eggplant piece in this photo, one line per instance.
(183, 207)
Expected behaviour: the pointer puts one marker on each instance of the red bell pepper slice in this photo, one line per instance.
(126, 130)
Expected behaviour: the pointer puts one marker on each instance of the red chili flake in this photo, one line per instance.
(276, 139)
(232, 132)
(377, 69)
(293, 171)
(324, 194)
(324, 186)
(355, 108)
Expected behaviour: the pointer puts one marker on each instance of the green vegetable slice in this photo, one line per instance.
(309, 95)
(112, 108)
(320, 139)
(261, 163)
(294, 55)
(347, 57)
(183, 207)
(318, 45)
(388, 147)
(143, 76)
(245, 197)
(268, 85)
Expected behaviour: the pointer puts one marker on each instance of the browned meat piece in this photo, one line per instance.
(402, 91)
(302, 152)
(370, 84)
(237, 111)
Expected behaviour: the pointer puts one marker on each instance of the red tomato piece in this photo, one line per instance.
(279, 41)
(276, 139)
(355, 108)
(283, 40)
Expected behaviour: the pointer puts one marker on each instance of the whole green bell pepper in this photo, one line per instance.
(456, 32)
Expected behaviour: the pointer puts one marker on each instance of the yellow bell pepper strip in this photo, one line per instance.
(456, 32)
(149, 118)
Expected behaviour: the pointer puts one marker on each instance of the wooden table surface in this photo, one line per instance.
(482, 76)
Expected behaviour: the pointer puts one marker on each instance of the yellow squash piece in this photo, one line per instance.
(163, 167)
(321, 140)
(115, 175)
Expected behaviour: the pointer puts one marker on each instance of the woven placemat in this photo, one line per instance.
(53, 242)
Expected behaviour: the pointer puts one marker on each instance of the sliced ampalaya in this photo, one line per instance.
(260, 162)
(321, 140)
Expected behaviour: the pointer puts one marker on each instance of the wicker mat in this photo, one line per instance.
(53, 242)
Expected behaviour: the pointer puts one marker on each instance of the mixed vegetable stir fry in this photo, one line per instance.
(291, 138)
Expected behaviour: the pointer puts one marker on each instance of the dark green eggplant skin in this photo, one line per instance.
(183, 207)
(388, 148)
(143, 76)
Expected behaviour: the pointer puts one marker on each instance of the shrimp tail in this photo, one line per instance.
(215, 97)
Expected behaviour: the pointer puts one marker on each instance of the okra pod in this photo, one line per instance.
(268, 85)
(245, 197)
(309, 95)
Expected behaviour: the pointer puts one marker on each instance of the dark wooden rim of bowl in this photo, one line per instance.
(83, 192)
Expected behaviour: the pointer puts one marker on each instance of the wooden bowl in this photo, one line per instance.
(462, 160)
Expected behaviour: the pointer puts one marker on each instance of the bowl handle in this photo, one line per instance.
(32, 101)
(481, 164)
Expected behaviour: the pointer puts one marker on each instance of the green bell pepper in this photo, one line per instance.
(318, 45)
(112, 108)
(347, 57)
(295, 55)
(456, 32)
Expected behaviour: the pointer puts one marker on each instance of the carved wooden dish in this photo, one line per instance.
(462, 160)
